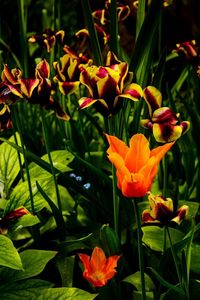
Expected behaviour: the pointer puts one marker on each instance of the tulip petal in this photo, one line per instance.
(28, 85)
(166, 132)
(98, 259)
(133, 92)
(134, 185)
(159, 152)
(116, 145)
(181, 214)
(86, 102)
(68, 88)
(138, 153)
(153, 98)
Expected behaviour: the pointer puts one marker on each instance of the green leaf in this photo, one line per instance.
(25, 289)
(92, 32)
(153, 236)
(65, 294)
(162, 281)
(20, 195)
(9, 256)
(135, 280)
(35, 289)
(195, 258)
(33, 261)
(56, 212)
(9, 163)
(65, 266)
(138, 295)
(60, 158)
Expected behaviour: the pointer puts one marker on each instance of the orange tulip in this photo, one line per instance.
(136, 165)
(98, 268)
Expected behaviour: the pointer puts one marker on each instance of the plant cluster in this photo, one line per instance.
(99, 154)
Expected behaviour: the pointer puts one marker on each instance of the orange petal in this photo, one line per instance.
(117, 146)
(134, 186)
(138, 153)
(160, 151)
(98, 259)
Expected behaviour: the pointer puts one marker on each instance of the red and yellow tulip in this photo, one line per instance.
(108, 85)
(163, 122)
(162, 211)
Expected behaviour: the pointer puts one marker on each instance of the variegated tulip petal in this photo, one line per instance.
(60, 35)
(146, 123)
(15, 90)
(67, 88)
(12, 76)
(185, 126)
(132, 92)
(49, 43)
(164, 115)
(28, 85)
(86, 102)
(42, 70)
(108, 89)
(112, 59)
(153, 98)
(166, 132)
(181, 214)
(123, 11)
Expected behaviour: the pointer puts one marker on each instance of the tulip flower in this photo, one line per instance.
(187, 49)
(163, 122)
(11, 217)
(162, 211)
(68, 72)
(108, 85)
(98, 269)
(48, 38)
(137, 165)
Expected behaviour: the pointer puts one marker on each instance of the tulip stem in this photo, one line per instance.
(140, 248)
(174, 256)
(114, 186)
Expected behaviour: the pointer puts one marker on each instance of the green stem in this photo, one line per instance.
(140, 16)
(165, 176)
(174, 256)
(19, 128)
(35, 229)
(23, 35)
(113, 28)
(140, 248)
(19, 158)
(114, 186)
(46, 138)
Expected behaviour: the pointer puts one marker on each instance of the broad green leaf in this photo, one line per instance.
(9, 256)
(65, 266)
(65, 294)
(60, 158)
(20, 195)
(135, 280)
(138, 295)
(195, 258)
(33, 261)
(9, 163)
(153, 237)
(26, 221)
(25, 289)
